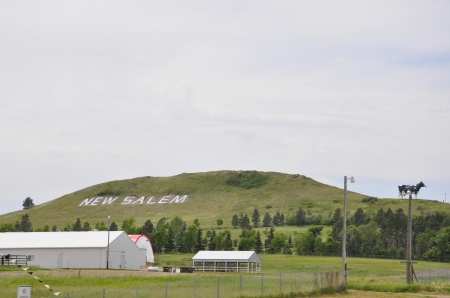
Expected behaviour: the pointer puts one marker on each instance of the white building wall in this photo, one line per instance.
(124, 254)
(53, 258)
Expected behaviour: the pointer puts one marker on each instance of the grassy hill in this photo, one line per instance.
(206, 196)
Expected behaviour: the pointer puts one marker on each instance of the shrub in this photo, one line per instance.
(371, 200)
(246, 179)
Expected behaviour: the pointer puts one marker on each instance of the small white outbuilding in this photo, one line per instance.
(227, 261)
(75, 249)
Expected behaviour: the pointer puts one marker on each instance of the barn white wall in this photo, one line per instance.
(53, 258)
(123, 254)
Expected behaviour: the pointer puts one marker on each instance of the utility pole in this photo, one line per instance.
(409, 273)
(344, 233)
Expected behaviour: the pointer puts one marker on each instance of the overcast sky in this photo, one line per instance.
(94, 91)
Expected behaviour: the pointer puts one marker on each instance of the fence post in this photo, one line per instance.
(281, 291)
(137, 291)
(195, 285)
(167, 289)
(240, 285)
(218, 287)
(103, 295)
(298, 281)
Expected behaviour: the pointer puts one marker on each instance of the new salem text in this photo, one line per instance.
(134, 200)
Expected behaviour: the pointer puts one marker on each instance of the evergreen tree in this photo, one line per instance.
(210, 236)
(269, 236)
(200, 242)
(382, 219)
(54, 229)
(28, 203)
(147, 228)
(300, 217)
(86, 227)
(276, 219)
(336, 230)
(24, 225)
(177, 228)
(235, 221)
(113, 226)
(228, 244)
(259, 245)
(256, 218)
(161, 222)
(359, 218)
(77, 225)
(267, 220)
(245, 224)
(170, 246)
(354, 240)
(337, 216)
(399, 225)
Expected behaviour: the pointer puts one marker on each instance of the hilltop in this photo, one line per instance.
(207, 196)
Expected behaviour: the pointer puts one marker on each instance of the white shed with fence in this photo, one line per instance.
(227, 261)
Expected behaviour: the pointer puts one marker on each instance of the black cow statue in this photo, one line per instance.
(412, 189)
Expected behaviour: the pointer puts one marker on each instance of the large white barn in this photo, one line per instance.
(75, 249)
(227, 261)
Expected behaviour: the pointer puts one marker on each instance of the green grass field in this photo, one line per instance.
(366, 278)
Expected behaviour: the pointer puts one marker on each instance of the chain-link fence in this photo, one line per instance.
(224, 286)
(428, 275)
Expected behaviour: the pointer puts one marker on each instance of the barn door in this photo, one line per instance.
(60, 260)
(123, 263)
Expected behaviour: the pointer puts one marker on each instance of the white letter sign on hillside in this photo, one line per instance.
(133, 200)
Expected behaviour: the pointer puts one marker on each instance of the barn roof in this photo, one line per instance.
(90, 239)
(228, 256)
(135, 238)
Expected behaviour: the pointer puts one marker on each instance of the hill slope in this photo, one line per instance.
(206, 196)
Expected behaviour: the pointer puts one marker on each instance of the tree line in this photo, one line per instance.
(382, 234)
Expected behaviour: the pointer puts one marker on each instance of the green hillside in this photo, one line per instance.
(206, 196)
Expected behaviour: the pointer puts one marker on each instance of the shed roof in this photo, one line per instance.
(228, 256)
(90, 239)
